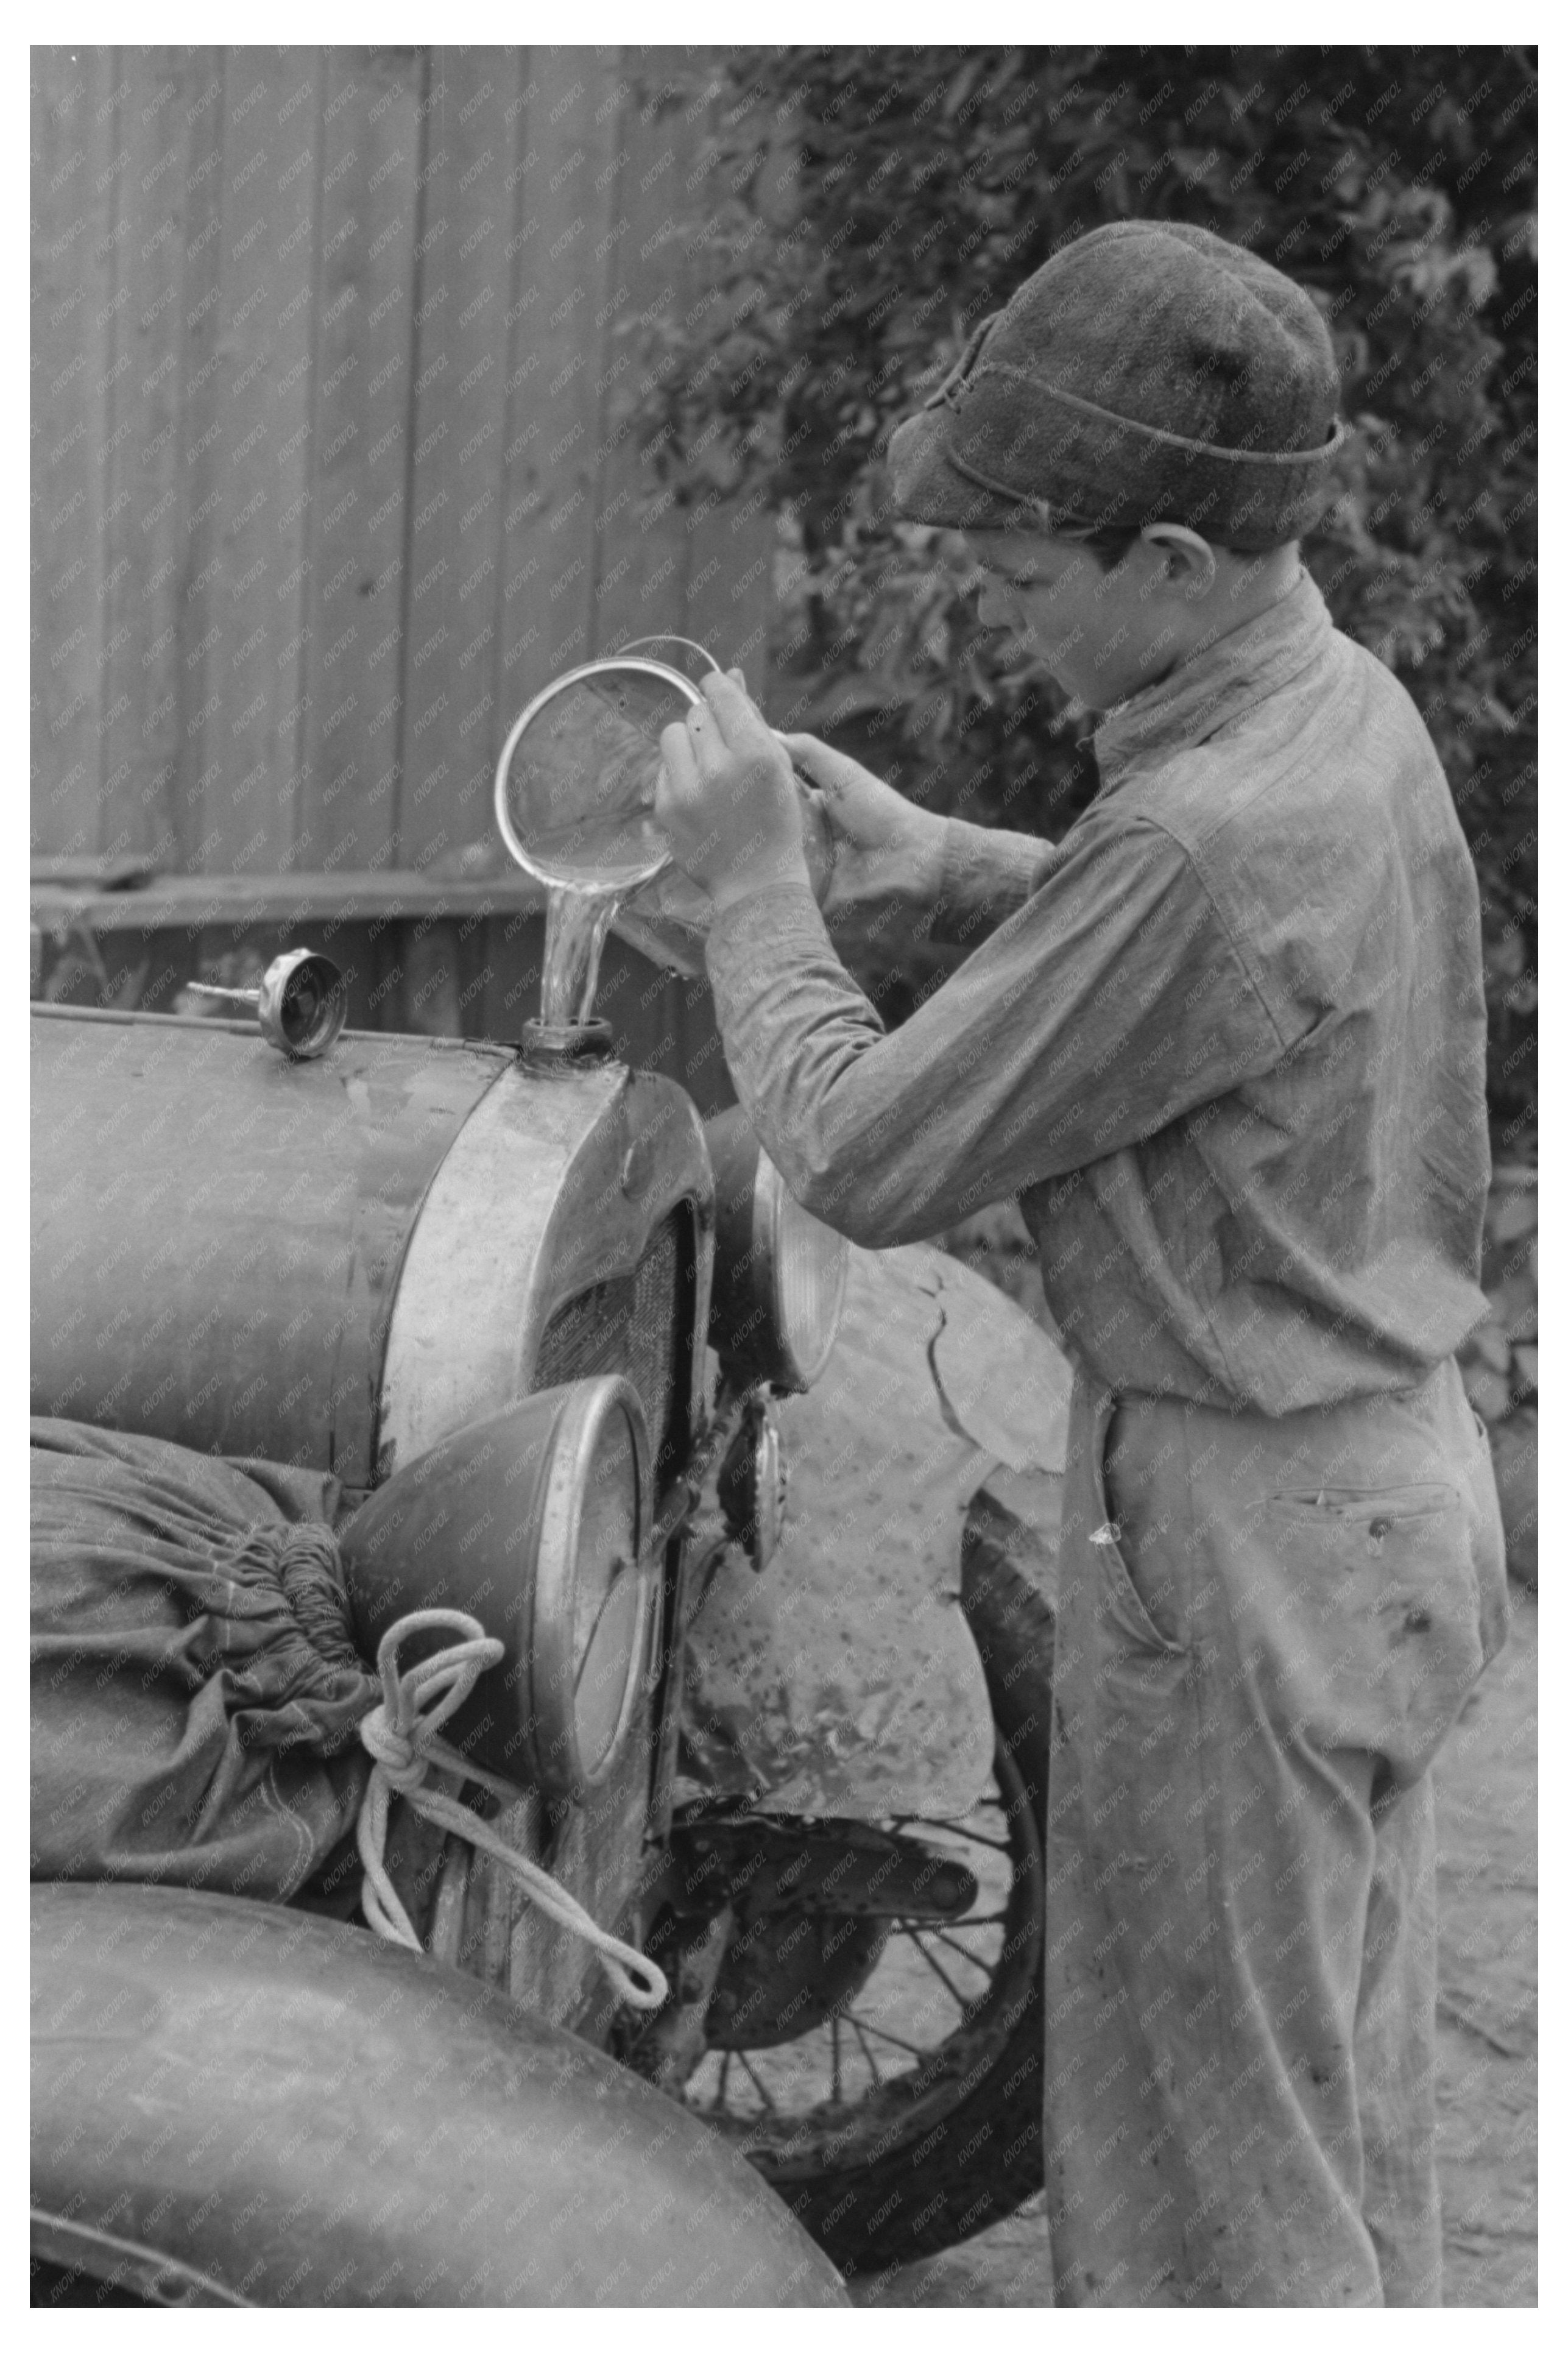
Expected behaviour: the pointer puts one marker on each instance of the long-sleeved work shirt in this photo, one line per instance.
(1225, 1040)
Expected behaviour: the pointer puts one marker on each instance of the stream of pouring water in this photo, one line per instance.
(575, 923)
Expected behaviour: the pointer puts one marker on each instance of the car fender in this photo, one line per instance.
(844, 1680)
(238, 2102)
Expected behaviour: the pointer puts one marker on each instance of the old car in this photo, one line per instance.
(762, 1544)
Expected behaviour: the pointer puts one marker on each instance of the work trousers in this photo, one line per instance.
(1265, 1628)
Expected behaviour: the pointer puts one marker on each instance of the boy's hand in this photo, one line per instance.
(865, 814)
(883, 846)
(727, 798)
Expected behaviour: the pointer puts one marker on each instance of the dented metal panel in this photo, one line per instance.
(844, 1681)
(1002, 1382)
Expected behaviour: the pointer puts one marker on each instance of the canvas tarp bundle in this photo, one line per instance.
(196, 1688)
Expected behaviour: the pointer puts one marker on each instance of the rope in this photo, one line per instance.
(402, 1737)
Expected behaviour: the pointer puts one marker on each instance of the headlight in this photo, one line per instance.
(589, 1596)
(535, 1521)
(779, 1273)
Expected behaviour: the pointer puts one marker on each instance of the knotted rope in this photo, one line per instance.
(402, 1735)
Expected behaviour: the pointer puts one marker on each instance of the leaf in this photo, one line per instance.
(1515, 1304)
(1513, 1214)
(964, 81)
(1489, 1346)
(1488, 1391)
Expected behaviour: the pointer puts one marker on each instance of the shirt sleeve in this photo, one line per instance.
(986, 875)
(929, 904)
(1110, 1003)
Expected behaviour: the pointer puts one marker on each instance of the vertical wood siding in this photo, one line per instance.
(336, 386)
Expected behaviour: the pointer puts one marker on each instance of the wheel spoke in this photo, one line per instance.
(882, 2035)
(722, 2100)
(866, 2048)
(766, 2096)
(964, 1954)
(914, 1935)
(837, 2067)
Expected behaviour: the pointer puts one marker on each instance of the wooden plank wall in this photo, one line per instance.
(335, 384)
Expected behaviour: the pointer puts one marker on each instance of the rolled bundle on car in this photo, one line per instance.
(196, 1693)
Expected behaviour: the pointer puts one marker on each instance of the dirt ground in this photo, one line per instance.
(1487, 2024)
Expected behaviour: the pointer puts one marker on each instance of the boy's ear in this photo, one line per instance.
(1189, 559)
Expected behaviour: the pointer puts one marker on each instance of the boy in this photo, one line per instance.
(1226, 1041)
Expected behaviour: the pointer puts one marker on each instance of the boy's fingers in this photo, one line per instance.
(809, 752)
(826, 767)
(737, 714)
(680, 761)
(708, 741)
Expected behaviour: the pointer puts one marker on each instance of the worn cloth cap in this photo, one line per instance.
(1149, 372)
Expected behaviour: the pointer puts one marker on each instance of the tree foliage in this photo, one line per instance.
(857, 210)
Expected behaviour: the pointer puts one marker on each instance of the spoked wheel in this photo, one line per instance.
(902, 2112)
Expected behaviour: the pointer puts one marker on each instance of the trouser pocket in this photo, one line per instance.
(1137, 1571)
(1377, 1623)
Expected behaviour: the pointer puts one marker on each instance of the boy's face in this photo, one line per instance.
(1101, 633)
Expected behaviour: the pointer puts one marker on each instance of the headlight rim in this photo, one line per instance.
(748, 1327)
(773, 1202)
(557, 1769)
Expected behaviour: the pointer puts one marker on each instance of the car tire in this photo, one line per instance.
(951, 2166)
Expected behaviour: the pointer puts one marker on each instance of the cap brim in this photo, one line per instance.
(927, 488)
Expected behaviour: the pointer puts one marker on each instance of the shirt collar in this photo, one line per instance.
(1217, 684)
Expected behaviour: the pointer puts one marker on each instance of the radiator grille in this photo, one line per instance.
(635, 1324)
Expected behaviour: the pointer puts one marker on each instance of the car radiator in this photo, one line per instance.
(637, 1324)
